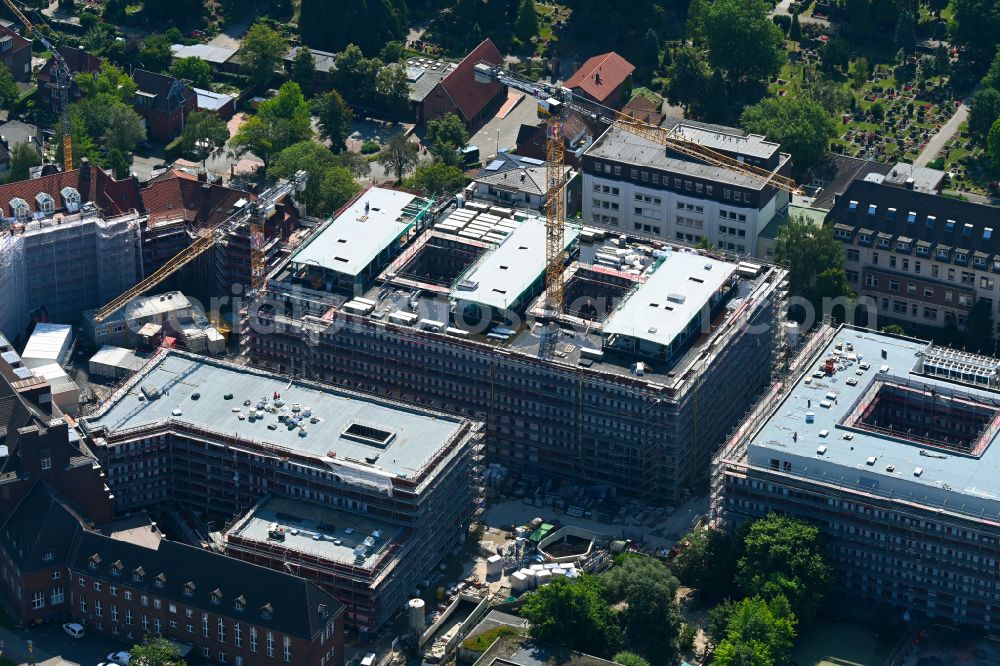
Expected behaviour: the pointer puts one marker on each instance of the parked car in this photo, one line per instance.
(121, 657)
(74, 629)
(369, 659)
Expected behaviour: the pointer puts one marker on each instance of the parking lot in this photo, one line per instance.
(52, 647)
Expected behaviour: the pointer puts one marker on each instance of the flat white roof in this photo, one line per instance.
(355, 238)
(118, 357)
(216, 54)
(211, 100)
(500, 277)
(661, 308)
(48, 341)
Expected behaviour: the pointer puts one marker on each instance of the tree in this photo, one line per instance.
(304, 67)
(398, 155)
(280, 122)
(651, 620)
(123, 128)
(526, 26)
(392, 89)
(717, 103)
(22, 158)
(437, 178)
(717, 620)
(83, 143)
(155, 53)
(445, 136)
(835, 55)
(708, 563)
(992, 78)
(801, 126)
(193, 69)
(648, 55)
(993, 144)
(894, 329)
(331, 26)
(9, 93)
(763, 630)
(573, 615)
(356, 75)
(689, 79)
(156, 652)
(979, 327)
(859, 73)
(330, 184)
(742, 40)
(334, 119)
(859, 16)
(356, 164)
(984, 109)
(809, 251)
(392, 52)
(110, 80)
(629, 659)
(975, 25)
(171, 9)
(784, 557)
(795, 29)
(205, 135)
(120, 163)
(261, 52)
(906, 33)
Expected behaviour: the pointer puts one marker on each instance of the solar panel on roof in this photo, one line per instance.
(23, 373)
(494, 165)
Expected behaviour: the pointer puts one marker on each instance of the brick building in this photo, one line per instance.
(164, 104)
(459, 92)
(15, 54)
(605, 79)
(78, 61)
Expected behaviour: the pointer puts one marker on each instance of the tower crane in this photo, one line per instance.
(554, 103)
(255, 213)
(63, 77)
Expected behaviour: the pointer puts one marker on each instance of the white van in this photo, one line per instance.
(74, 629)
(369, 659)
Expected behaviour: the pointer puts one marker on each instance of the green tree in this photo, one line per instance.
(304, 67)
(975, 25)
(992, 78)
(993, 144)
(756, 623)
(629, 659)
(22, 158)
(979, 328)
(9, 93)
(392, 52)
(155, 53)
(123, 128)
(859, 73)
(205, 135)
(573, 615)
(392, 89)
(984, 109)
(330, 185)
(802, 127)
(894, 329)
(356, 75)
(280, 122)
(809, 251)
(120, 163)
(156, 652)
(689, 79)
(437, 178)
(742, 40)
(261, 52)
(445, 136)
(906, 33)
(784, 557)
(331, 26)
(651, 619)
(111, 81)
(708, 563)
(334, 119)
(859, 16)
(336, 189)
(526, 26)
(717, 620)
(193, 69)
(795, 29)
(171, 9)
(717, 103)
(398, 156)
(83, 143)
(835, 55)
(356, 164)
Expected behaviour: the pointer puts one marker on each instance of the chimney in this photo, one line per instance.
(203, 176)
(84, 169)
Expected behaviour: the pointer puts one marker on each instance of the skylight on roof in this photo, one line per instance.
(987, 233)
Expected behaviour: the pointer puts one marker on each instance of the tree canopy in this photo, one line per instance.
(193, 69)
(22, 158)
(445, 136)
(204, 135)
(811, 251)
(399, 156)
(984, 109)
(280, 122)
(758, 632)
(742, 40)
(437, 179)
(651, 620)
(9, 94)
(304, 67)
(975, 25)
(573, 614)
(261, 51)
(331, 26)
(155, 53)
(802, 127)
(334, 119)
(330, 184)
(156, 652)
(708, 563)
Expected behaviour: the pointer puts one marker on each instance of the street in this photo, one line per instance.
(52, 647)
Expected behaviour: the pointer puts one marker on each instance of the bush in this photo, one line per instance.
(483, 641)
(686, 641)
(173, 149)
(370, 147)
(937, 163)
(783, 21)
(878, 111)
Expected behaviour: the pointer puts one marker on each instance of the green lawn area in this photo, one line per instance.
(841, 644)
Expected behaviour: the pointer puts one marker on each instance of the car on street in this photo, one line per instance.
(121, 658)
(74, 629)
(369, 659)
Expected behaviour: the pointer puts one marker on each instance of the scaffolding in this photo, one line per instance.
(14, 304)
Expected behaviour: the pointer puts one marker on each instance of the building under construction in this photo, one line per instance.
(60, 266)
(889, 444)
(363, 495)
(632, 386)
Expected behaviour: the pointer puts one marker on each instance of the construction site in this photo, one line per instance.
(362, 495)
(630, 388)
(888, 443)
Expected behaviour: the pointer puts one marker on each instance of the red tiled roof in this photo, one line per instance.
(469, 96)
(176, 195)
(643, 109)
(77, 59)
(601, 75)
(19, 41)
(113, 197)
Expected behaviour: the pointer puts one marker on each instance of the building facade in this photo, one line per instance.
(164, 103)
(634, 185)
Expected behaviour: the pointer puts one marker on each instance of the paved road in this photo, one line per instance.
(943, 136)
(52, 647)
(232, 34)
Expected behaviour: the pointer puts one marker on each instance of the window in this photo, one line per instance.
(57, 596)
(56, 575)
(83, 603)
(875, 258)
(237, 635)
(986, 283)
(618, 171)
(188, 612)
(287, 648)
(916, 266)
(222, 657)
(128, 616)
(46, 459)
(144, 600)
(892, 261)
(222, 631)
(911, 289)
(97, 586)
(269, 646)
(207, 652)
(253, 639)
(928, 293)
(853, 254)
(871, 282)
(37, 600)
(189, 627)
(144, 622)
(114, 612)
(98, 608)
(967, 277)
(633, 173)
(128, 595)
(930, 313)
(893, 285)
(156, 603)
(204, 625)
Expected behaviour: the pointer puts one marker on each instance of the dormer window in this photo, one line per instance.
(145, 99)
(216, 597)
(852, 206)
(116, 568)
(189, 588)
(323, 611)
(138, 574)
(19, 207)
(266, 611)
(239, 603)
(967, 230)
(48, 555)
(872, 209)
(160, 581)
(949, 226)
(71, 199)
(890, 214)
(46, 204)
(929, 222)
(94, 561)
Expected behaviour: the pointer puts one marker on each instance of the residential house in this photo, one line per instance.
(219, 58)
(15, 54)
(458, 91)
(924, 259)
(78, 61)
(605, 79)
(577, 130)
(164, 103)
(645, 106)
(220, 104)
(513, 180)
(325, 63)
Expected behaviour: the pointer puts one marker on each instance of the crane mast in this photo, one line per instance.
(63, 77)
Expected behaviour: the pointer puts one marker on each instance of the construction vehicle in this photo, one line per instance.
(63, 78)
(554, 103)
(255, 213)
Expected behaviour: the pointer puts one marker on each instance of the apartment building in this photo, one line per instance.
(924, 259)
(889, 445)
(632, 386)
(364, 495)
(634, 185)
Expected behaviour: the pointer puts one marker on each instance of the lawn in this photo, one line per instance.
(829, 643)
